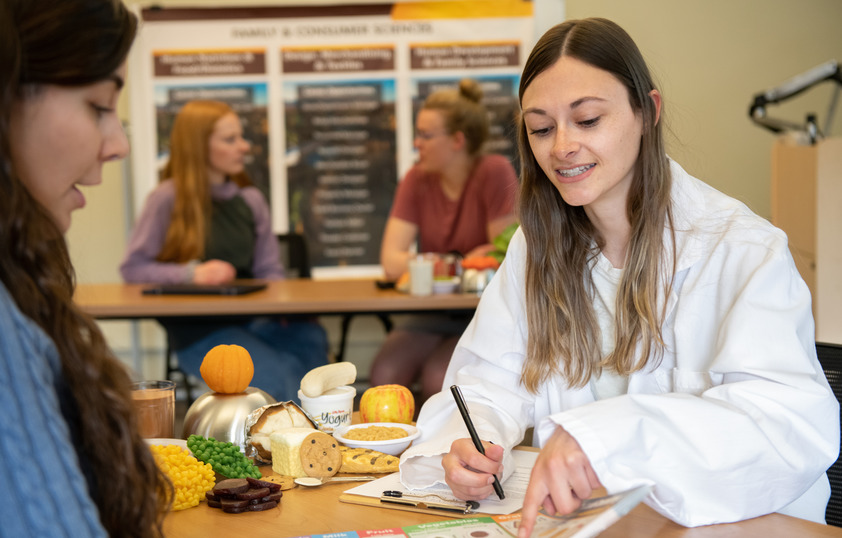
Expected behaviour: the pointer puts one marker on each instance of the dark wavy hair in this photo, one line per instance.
(73, 43)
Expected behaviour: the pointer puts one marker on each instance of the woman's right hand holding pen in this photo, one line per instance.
(561, 479)
(470, 474)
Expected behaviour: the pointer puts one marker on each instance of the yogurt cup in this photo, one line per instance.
(331, 409)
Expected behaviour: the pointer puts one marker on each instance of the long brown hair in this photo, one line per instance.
(462, 111)
(563, 331)
(188, 169)
(73, 43)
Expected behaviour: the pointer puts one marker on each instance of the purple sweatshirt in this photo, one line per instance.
(147, 240)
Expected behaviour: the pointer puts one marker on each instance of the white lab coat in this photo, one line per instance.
(736, 421)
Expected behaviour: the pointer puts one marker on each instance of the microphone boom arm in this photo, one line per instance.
(757, 111)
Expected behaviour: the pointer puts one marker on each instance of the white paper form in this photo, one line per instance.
(514, 487)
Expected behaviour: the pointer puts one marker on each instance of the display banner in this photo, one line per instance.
(327, 96)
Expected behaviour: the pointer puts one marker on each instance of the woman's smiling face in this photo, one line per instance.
(61, 136)
(583, 132)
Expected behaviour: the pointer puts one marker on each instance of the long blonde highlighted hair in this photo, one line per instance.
(188, 169)
(564, 337)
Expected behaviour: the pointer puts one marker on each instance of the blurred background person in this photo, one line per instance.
(206, 224)
(76, 464)
(455, 199)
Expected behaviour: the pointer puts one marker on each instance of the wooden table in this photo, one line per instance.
(318, 510)
(306, 511)
(294, 296)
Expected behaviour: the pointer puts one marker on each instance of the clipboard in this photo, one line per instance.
(408, 506)
(431, 501)
(594, 516)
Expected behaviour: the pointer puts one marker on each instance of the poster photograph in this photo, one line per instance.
(327, 96)
(341, 167)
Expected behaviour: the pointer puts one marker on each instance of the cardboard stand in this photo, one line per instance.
(807, 205)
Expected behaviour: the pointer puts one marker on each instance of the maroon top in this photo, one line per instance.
(446, 225)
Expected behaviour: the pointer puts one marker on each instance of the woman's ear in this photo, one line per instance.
(458, 139)
(655, 95)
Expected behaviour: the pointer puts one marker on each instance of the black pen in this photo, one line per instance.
(460, 403)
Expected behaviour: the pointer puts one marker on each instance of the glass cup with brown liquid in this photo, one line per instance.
(155, 405)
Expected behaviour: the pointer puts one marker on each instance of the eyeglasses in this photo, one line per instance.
(424, 135)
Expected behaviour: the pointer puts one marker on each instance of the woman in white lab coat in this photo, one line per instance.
(651, 329)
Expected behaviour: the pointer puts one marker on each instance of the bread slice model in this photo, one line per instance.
(286, 451)
(274, 418)
(301, 452)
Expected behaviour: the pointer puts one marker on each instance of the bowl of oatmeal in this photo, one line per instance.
(388, 437)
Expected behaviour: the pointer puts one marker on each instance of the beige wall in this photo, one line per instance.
(709, 57)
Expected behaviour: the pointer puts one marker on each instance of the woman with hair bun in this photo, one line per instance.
(455, 199)
(73, 461)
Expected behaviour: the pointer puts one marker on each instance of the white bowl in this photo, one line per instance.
(161, 441)
(393, 447)
(446, 286)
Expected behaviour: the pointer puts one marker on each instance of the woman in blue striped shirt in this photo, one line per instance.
(73, 461)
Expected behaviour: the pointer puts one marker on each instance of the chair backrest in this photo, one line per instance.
(294, 255)
(830, 356)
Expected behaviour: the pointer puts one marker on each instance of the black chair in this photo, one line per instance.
(294, 255)
(296, 260)
(830, 356)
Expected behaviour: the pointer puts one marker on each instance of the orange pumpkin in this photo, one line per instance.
(227, 369)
